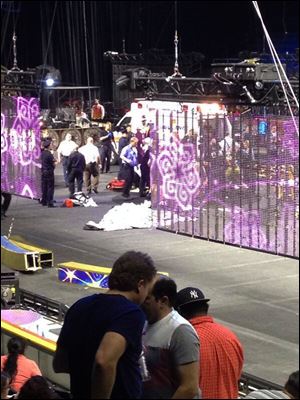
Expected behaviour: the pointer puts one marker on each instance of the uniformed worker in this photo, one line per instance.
(48, 165)
(106, 138)
(76, 166)
(129, 157)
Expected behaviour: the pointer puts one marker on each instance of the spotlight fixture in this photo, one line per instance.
(49, 82)
(259, 85)
(53, 78)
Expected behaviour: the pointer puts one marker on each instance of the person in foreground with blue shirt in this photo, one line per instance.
(100, 341)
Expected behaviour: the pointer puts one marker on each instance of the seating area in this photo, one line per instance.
(41, 350)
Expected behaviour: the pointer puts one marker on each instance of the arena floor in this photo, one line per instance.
(253, 293)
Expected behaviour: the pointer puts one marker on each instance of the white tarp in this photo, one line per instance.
(125, 216)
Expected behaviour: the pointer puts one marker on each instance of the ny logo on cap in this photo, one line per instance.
(194, 294)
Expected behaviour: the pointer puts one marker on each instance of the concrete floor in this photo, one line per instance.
(253, 293)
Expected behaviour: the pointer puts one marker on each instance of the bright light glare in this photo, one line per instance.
(210, 108)
(49, 82)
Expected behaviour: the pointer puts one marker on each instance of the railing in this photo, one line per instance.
(249, 382)
(50, 308)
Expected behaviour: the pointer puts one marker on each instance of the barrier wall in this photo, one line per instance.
(229, 179)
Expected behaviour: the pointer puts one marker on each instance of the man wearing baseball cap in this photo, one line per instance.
(221, 354)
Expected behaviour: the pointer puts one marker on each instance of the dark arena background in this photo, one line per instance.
(232, 179)
(20, 146)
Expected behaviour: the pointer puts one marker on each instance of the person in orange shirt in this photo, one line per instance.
(18, 367)
(221, 353)
(97, 112)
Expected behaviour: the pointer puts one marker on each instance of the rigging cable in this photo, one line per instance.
(4, 31)
(176, 73)
(163, 28)
(275, 57)
(48, 45)
(274, 53)
(86, 53)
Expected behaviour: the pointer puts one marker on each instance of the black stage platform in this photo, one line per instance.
(255, 294)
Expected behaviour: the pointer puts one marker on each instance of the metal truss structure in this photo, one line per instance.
(213, 89)
(253, 81)
(18, 81)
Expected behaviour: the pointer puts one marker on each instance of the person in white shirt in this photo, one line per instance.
(92, 160)
(82, 119)
(65, 148)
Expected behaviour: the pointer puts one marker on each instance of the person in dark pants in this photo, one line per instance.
(48, 165)
(5, 204)
(247, 162)
(123, 142)
(145, 168)
(129, 159)
(76, 166)
(64, 150)
(106, 138)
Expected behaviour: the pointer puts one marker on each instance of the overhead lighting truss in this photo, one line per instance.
(212, 89)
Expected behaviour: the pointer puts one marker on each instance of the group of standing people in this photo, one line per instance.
(227, 161)
(134, 153)
(80, 165)
(143, 339)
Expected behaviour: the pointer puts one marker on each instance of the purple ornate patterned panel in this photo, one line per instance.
(231, 179)
(20, 147)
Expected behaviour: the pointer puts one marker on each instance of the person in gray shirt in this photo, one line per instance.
(171, 347)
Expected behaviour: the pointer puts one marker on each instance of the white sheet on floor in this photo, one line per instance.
(126, 216)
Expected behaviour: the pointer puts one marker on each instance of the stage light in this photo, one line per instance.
(210, 108)
(49, 82)
(52, 78)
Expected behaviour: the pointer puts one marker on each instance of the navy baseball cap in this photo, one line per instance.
(190, 295)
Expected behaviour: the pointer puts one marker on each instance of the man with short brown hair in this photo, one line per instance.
(100, 341)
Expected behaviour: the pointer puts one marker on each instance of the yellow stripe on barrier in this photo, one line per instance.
(29, 247)
(92, 268)
(85, 267)
(25, 334)
(163, 273)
